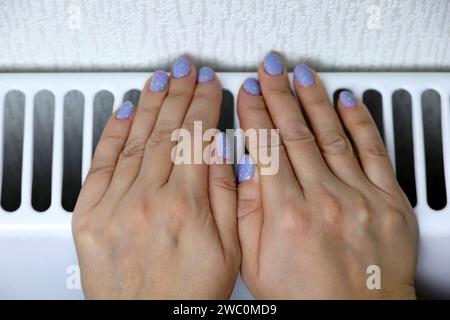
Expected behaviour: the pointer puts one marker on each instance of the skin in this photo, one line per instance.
(312, 230)
(147, 229)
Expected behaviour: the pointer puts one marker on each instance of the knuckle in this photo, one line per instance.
(319, 103)
(291, 220)
(207, 93)
(113, 139)
(375, 150)
(226, 182)
(297, 132)
(255, 110)
(83, 231)
(190, 124)
(134, 148)
(161, 133)
(248, 203)
(279, 92)
(151, 109)
(393, 220)
(114, 233)
(178, 95)
(362, 211)
(331, 210)
(196, 120)
(101, 170)
(334, 143)
(363, 122)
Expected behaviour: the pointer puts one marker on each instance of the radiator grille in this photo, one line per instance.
(51, 124)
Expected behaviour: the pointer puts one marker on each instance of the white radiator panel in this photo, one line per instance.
(37, 256)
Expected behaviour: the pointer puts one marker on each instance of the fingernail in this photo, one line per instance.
(125, 110)
(205, 74)
(347, 99)
(251, 86)
(246, 169)
(273, 64)
(222, 146)
(181, 68)
(159, 82)
(303, 75)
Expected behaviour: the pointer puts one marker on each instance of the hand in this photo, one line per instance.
(313, 229)
(148, 229)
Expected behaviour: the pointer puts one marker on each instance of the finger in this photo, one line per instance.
(105, 158)
(250, 214)
(157, 163)
(278, 181)
(369, 144)
(327, 128)
(202, 115)
(152, 96)
(286, 115)
(222, 196)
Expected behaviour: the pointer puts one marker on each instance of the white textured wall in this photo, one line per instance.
(50, 35)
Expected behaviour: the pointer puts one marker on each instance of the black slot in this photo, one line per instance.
(44, 108)
(226, 119)
(13, 124)
(133, 96)
(404, 150)
(373, 100)
(103, 106)
(73, 144)
(434, 160)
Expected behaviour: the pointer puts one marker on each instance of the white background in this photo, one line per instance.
(138, 35)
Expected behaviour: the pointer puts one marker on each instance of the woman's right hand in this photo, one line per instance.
(330, 216)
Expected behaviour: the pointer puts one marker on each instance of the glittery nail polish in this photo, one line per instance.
(347, 99)
(125, 110)
(251, 86)
(222, 145)
(181, 68)
(205, 74)
(303, 75)
(159, 81)
(246, 169)
(273, 64)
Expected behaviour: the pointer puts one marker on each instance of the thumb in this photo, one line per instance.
(223, 198)
(250, 214)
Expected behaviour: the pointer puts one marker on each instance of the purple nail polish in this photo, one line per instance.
(125, 110)
(222, 146)
(246, 169)
(205, 74)
(347, 99)
(251, 86)
(181, 68)
(303, 75)
(159, 82)
(273, 64)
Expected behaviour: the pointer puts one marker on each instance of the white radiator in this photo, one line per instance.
(48, 137)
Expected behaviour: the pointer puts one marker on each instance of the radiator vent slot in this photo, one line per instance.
(434, 161)
(373, 100)
(133, 96)
(43, 120)
(103, 107)
(404, 146)
(13, 125)
(73, 148)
